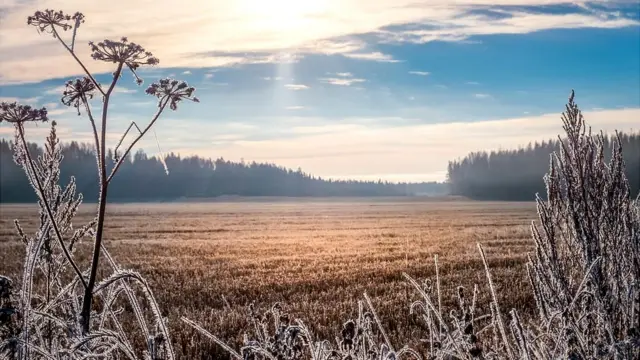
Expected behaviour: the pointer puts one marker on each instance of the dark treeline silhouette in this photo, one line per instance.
(143, 178)
(517, 174)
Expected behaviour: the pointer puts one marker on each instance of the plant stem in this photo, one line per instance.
(85, 315)
(163, 104)
(73, 54)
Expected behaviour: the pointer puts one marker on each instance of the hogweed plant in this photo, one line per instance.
(59, 319)
(585, 270)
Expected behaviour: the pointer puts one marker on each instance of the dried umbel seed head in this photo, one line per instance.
(123, 52)
(46, 20)
(17, 114)
(76, 91)
(173, 90)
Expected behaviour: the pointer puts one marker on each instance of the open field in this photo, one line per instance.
(209, 261)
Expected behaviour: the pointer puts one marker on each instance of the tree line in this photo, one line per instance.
(518, 174)
(143, 178)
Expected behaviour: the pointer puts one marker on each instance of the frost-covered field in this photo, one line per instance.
(208, 261)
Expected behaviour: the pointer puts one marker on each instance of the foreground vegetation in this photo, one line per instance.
(583, 271)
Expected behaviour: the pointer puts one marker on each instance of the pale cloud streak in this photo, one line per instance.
(29, 101)
(58, 90)
(257, 33)
(296, 87)
(361, 148)
(373, 56)
(342, 81)
(419, 73)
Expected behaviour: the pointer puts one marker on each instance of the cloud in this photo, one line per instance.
(374, 56)
(208, 76)
(503, 21)
(420, 73)
(482, 96)
(28, 101)
(258, 33)
(344, 74)
(51, 105)
(123, 90)
(294, 107)
(187, 72)
(380, 150)
(296, 87)
(58, 90)
(342, 81)
(398, 149)
(67, 110)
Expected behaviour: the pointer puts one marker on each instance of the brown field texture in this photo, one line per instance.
(209, 261)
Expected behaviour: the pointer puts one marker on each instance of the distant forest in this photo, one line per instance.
(143, 178)
(517, 174)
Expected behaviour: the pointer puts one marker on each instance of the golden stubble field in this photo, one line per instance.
(209, 261)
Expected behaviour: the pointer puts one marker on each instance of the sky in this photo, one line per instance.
(358, 89)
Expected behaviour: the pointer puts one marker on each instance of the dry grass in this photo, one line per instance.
(208, 261)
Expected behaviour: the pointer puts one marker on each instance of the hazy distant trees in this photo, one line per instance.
(517, 174)
(142, 178)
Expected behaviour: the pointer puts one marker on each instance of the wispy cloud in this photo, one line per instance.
(275, 78)
(263, 34)
(187, 72)
(374, 145)
(419, 73)
(344, 74)
(208, 76)
(374, 56)
(58, 90)
(326, 27)
(123, 90)
(296, 86)
(482, 96)
(29, 101)
(294, 107)
(468, 25)
(342, 81)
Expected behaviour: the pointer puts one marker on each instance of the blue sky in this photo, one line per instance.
(345, 89)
